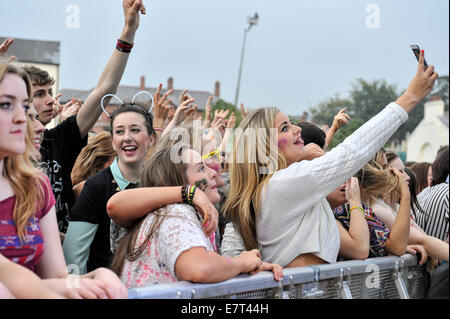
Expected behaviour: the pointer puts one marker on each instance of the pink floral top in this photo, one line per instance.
(179, 231)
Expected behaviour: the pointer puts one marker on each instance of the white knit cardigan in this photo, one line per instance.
(295, 217)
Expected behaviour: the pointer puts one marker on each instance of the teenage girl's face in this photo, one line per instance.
(200, 175)
(130, 138)
(398, 164)
(38, 127)
(14, 102)
(290, 143)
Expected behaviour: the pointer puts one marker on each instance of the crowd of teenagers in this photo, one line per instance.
(165, 196)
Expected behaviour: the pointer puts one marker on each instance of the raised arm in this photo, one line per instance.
(113, 71)
(398, 239)
(354, 242)
(161, 108)
(327, 172)
(340, 119)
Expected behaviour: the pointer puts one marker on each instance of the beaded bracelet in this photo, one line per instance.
(358, 208)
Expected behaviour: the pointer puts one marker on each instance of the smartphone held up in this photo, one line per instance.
(416, 50)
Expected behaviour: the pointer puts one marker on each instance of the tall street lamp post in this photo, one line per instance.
(251, 22)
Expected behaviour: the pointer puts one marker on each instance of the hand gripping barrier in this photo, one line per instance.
(373, 278)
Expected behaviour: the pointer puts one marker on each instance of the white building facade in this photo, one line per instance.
(431, 133)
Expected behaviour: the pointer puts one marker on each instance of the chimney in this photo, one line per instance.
(170, 83)
(142, 85)
(217, 89)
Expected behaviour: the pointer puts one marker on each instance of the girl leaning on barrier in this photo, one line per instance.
(29, 233)
(169, 244)
(277, 201)
(130, 206)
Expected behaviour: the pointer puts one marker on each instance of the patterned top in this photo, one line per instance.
(179, 231)
(28, 252)
(379, 233)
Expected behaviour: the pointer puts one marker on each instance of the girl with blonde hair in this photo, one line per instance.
(28, 233)
(277, 201)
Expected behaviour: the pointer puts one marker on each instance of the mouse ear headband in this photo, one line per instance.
(132, 102)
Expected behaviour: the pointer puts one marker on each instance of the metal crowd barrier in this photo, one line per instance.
(373, 278)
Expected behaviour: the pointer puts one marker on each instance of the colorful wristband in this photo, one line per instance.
(358, 208)
(123, 46)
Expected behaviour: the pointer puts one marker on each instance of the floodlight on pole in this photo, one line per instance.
(251, 22)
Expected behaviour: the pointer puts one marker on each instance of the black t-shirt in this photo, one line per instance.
(59, 150)
(90, 207)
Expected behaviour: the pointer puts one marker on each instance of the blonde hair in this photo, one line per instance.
(249, 172)
(27, 182)
(378, 182)
(93, 157)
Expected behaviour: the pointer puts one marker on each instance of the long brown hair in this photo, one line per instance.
(246, 178)
(93, 157)
(421, 171)
(160, 170)
(27, 182)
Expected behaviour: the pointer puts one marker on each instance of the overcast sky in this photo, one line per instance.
(301, 52)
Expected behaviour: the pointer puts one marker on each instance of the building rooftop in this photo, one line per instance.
(35, 51)
(126, 94)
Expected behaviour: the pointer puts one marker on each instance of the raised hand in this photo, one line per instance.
(403, 182)
(131, 9)
(180, 112)
(231, 121)
(208, 111)
(190, 113)
(352, 192)
(419, 87)
(4, 47)
(67, 110)
(162, 106)
(340, 119)
(243, 112)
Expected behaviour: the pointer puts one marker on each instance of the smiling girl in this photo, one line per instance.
(89, 242)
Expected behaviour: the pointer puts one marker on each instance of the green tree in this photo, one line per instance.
(325, 110)
(441, 88)
(366, 99)
(369, 98)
